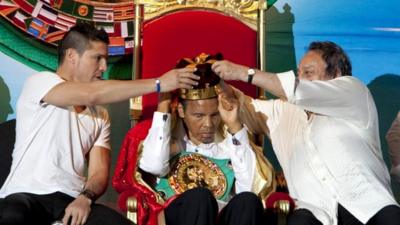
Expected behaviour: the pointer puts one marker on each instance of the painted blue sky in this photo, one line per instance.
(369, 31)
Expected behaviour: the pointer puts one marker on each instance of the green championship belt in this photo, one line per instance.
(191, 170)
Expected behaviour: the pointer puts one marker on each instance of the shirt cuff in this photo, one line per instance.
(239, 138)
(161, 119)
(288, 80)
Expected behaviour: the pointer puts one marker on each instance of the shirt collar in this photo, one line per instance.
(191, 147)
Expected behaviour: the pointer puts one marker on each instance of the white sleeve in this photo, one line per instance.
(270, 108)
(156, 146)
(103, 138)
(243, 160)
(393, 140)
(343, 97)
(38, 85)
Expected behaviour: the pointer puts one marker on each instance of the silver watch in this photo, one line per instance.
(250, 74)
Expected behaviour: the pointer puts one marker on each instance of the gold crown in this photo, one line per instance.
(209, 83)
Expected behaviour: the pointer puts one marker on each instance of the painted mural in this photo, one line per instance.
(48, 20)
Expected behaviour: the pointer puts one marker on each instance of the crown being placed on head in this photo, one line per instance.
(209, 83)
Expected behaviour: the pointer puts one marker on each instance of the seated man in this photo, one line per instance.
(193, 158)
(61, 129)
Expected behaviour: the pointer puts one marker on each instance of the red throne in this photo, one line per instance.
(146, 208)
(165, 40)
(189, 33)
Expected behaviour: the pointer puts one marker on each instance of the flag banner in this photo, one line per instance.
(116, 46)
(19, 20)
(38, 28)
(124, 12)
(54, 35)
(37, 8)
(64, 22)
(127, 28)
(103, 14)
(48, 15)
(129, 44)
(7, 7)
(83, 11)
(48, 20)
(108, 27)
(24, 5)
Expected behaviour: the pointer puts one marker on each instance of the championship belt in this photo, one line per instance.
(191, 170)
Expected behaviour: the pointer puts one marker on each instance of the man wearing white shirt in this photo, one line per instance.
(324, 131)
(194, 159)
(61, 129)
(393, 140)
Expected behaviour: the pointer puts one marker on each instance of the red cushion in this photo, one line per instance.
(277, 196)
(189, 33)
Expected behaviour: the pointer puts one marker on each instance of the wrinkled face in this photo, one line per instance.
(92, 63)
(202, 119)
(312, 67)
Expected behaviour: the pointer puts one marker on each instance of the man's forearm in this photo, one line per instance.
(98, 92)
(98, 170)
(268, 81)
(96, 184)
(231, 71)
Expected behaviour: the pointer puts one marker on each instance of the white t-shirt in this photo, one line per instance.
(52, 142)
(334, 155)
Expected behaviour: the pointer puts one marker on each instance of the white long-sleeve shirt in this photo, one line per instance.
(393, 140)
(156, 152)
(332, 156)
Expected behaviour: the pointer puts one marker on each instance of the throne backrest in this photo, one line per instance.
(188, 33)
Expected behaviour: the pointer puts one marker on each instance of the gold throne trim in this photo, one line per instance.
(244, 10)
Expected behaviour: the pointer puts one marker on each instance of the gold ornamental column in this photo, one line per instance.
(135, 104)
(262, 7)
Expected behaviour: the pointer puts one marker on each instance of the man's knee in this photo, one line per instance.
(247, 200)
(14, 210)
(102, 215)
(246, 197)
(389, 215)
(199, 193)
(302, 217)
(11, 217)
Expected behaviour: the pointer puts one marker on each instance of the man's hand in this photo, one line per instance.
(178, 78)
(230, 71)
(77, 211)
(228, 109)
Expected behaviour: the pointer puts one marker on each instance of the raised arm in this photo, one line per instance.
(254, 121)
(230, 71)
(104, 92)
(156, 146)
(247, 159)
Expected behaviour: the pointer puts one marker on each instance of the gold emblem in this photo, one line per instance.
(83, 10)
(194, 170)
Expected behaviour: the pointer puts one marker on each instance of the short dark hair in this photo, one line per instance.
(334, 56)
(79, 36)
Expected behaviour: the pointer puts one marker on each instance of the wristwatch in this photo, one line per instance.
(250, 74)
(88, 194)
